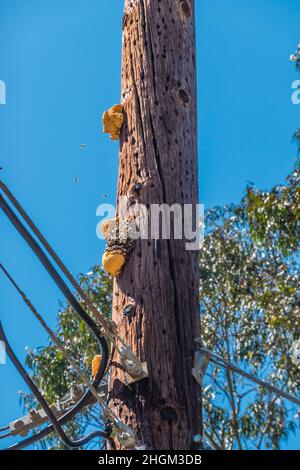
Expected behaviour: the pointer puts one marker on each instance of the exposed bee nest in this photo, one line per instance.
(120, 238)
(113, 120)
(96, 362)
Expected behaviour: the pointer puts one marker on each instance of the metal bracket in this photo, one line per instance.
(126, 440)
(201, 361)
(125, 435)
(136, 370)
(35, 418)
(143, 375)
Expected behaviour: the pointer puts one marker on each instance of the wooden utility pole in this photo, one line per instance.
(156, 304)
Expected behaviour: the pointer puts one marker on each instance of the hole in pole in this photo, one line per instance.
(184, 96)
(185, 9)
(169, 414)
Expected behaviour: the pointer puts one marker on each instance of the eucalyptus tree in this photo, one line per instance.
(250, 308)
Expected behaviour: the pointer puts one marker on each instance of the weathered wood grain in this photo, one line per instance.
(159, 149)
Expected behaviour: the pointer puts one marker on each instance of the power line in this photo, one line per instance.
(52, 335)
(106, 324)
(43, 403)
(124, 429)
(223, 363)
(4, 436)
(129, 360)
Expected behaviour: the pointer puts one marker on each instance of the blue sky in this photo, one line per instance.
(60, 60)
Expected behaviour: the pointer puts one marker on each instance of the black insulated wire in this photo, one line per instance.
(4, 436)
(5, 428)
(43, 403)
(47, 265)
(47, 247)
(77, 307)
(28, 303)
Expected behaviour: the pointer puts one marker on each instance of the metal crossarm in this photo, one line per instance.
(101, 325)
(46, 408)
(108, 326)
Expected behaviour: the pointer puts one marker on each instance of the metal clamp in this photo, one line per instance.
(119, 430)
(35, 418)
(125, 435)
(201, 361)
(134, 367)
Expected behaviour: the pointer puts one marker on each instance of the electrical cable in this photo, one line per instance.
(223, 363)
(47, 265)
(55, 423)
(130, 361)
(107, 324)
(5, 428)
(68, 294)
(4, 436)
(52, 335)
(43, 433)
